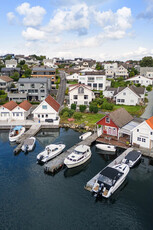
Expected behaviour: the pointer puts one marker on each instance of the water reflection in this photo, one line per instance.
(73, 171)
(47, 136)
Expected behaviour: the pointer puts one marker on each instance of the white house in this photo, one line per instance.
(110, 73)
(5, 83)
(11, 63)
(121, 71)
(74, 76)
(12, 111)
(88, 69)
(109, 92)
(140, 80)
(6, 110)
(80, 94)
(110, 65)
(130, 95)
(143, 134)
(49, 63)
(21, 111)
(48, 110)
(96, 82)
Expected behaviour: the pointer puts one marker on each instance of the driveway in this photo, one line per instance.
(149, 109)
(62, 88)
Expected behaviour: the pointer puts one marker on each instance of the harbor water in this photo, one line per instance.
(33, 200)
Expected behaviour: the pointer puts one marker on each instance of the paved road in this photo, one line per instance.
(149, 109)
(62, 88)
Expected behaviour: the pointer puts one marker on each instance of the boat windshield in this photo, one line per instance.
(105, 180)
(78, 152)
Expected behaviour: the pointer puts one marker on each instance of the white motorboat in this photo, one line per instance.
(105, 147)
(79, 156)
(16, 132)
(110, 179)
(28, 144)
(132, 158)
(85, 136)
(50, 152)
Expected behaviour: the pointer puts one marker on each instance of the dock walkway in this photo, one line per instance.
(118, 160)
(57, 163)
(34, 129)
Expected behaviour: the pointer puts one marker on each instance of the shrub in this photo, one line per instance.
(91, 108)
(146, 100)
(73, 106)
(77, 116)
(65, 114)
(64, 110)
(107, 106)
(149, 88)
(82, 108)
(2, 92)
(95, 109)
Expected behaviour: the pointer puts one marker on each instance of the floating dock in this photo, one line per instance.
(57, 163)
(118, 160)
(34, 129)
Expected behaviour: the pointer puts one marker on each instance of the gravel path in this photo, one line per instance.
(149, 109)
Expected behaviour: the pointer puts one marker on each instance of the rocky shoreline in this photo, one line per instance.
(81, 127)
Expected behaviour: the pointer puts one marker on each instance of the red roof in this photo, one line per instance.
(150, 122)
(25, 105)
(10, 105)
(54, 104)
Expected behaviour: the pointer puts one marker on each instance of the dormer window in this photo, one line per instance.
(107, 119)
(80, 90)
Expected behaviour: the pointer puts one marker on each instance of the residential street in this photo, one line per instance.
(149, 109)
(62, 88)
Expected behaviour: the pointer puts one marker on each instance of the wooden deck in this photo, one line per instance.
(57, 163)
(118, 160)
(112, 140)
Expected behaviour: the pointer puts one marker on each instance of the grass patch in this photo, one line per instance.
(136, 110)
(72, 82)
(4, 96)
(88, 118)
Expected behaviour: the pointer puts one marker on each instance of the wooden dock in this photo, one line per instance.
(57, 163)
(118, 160)
(34, 129)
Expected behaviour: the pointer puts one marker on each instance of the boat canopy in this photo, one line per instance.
(110, 172)
(133, 155)
(18, 127)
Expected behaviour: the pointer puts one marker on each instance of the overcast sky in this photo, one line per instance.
(99, 29)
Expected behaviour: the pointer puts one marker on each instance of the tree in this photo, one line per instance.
(1, 65)
(15, 76)
(8, 57)
(82, 108)
(146, 62)
(99, 66)
(77, 116)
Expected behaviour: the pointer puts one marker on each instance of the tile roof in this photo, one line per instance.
(150, 122)
(25, 105)
(6, 78)
(54, 104)
(137, 90)
(33, 80)
(10, 105)
(120, 117)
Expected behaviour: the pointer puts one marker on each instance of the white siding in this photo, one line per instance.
(127, 97)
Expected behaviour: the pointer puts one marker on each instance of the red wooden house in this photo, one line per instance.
(113, 121)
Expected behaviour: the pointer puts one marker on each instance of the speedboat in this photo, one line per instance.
(79, 156)
(106, 147)
(50, 152)
(16, 132)
(109, 180)
(132, 158)
(85, 136)
(28, 144)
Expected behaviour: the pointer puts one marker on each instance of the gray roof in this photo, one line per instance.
(33, 80)
(120, 117)
(10, 69)
(12, 61)
(136, 90)
(42, 69)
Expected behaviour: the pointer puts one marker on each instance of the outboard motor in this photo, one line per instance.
(101, 186)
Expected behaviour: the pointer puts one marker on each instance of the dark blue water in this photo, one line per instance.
(31, 199)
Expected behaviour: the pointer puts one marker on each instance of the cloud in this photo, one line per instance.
(75, 18)
(75, 2)
(114, 24)
(148, 12)
(11, 17)
(33, 16)
(32, 34)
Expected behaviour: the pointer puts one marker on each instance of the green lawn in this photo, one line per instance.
(88, 118)
(72, 82)
(137, 110)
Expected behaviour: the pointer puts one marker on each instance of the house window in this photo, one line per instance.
(143, 140)
(38, 115)
(94, 85)
(44, 106)
(137, 130)
(138, 138)
(85, 103)
(107, 119)
(85, 96)
(75, 96)
(89, 84)
(80, 90)
(46, 115)
(118, 100)
(32, 86)
(122, 100)
(42, 116)
(42, 90)
(100, 85)
(75, 102)
(151, 133)
(124, 93)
